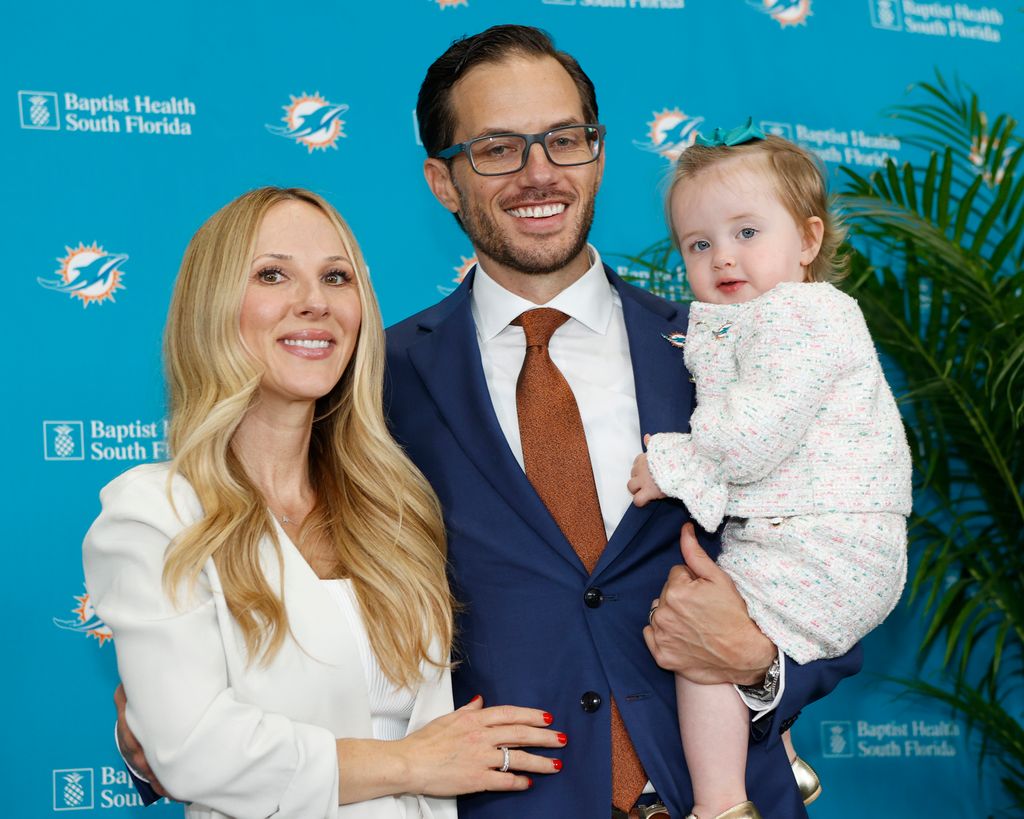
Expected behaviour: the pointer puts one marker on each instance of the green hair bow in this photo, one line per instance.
(734, 136)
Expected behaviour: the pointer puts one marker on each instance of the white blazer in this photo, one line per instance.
(233, 738)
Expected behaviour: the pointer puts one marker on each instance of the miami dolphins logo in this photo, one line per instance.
(671, 132)
(784, 12)
(461, 271)
(85, 621)
(88, 273)
(450, 4)
(313, 121)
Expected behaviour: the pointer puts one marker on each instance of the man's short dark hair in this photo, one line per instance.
(433, 108)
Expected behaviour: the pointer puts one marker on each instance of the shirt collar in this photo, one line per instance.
(589, 300)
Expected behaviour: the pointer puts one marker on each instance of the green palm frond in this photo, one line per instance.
(1002, 736)
(937, 264)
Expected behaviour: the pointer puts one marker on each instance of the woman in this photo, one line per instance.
(277, 592)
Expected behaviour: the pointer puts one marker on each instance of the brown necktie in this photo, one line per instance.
(557, 463)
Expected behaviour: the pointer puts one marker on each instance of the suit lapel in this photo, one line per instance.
(664, 394)
(447, 359)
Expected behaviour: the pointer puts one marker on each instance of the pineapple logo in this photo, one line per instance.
(85, 621)
(671, 132)
(461, 271)
(887, 14)
(39, 110)
(73, 789)
(63, 441)
(785, 12)
(779, 129)
(837, 739)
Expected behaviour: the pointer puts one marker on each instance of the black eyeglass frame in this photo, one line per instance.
(531, 139)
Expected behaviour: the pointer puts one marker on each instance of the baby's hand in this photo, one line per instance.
(641, 485)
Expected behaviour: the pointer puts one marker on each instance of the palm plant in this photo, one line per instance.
(937, 264)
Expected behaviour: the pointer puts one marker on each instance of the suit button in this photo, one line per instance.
(593, 598)
(590, 701)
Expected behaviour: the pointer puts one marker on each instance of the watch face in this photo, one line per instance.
(765, 690)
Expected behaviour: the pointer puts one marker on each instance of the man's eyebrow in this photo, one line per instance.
(497, 131)
(564, 122)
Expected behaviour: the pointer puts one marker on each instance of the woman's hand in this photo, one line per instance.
(458, 753)
(462, 751)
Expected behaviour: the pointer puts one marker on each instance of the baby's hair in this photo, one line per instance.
(799, 183)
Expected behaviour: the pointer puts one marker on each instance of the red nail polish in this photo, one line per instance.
(548, 719)
(563, 738)
(556, 764)
(529, 782)
(475, 698)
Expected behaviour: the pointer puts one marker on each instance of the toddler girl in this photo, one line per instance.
(796, 436)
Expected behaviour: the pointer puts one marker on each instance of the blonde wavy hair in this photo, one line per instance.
(374, 507)
(799, 184)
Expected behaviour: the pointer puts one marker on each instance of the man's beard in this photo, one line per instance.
(535, 258)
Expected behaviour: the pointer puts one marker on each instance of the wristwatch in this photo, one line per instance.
(766, 690)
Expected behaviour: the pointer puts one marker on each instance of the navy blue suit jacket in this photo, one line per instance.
(525, 634)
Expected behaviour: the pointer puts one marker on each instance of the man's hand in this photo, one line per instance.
(129, 745)
(700, 627)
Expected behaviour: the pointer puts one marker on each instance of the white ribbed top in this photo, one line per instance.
(390, 707)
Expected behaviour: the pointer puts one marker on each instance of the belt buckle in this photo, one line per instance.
(642, 811)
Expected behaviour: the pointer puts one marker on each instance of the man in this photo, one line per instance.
(554, 567)
(550, 619)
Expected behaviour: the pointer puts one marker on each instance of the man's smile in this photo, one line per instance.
(538, 211)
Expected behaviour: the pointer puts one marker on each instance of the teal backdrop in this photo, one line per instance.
(127, 124)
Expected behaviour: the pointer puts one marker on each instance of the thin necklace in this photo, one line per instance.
(286, 520)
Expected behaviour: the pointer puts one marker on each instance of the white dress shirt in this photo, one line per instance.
(592, 351)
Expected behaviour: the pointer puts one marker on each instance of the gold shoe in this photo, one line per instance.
(806, 780)
(744, 810)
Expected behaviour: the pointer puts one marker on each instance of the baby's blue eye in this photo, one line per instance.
(701, 244)
(748, 233)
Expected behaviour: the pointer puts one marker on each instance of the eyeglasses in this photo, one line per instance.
(500, 154)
